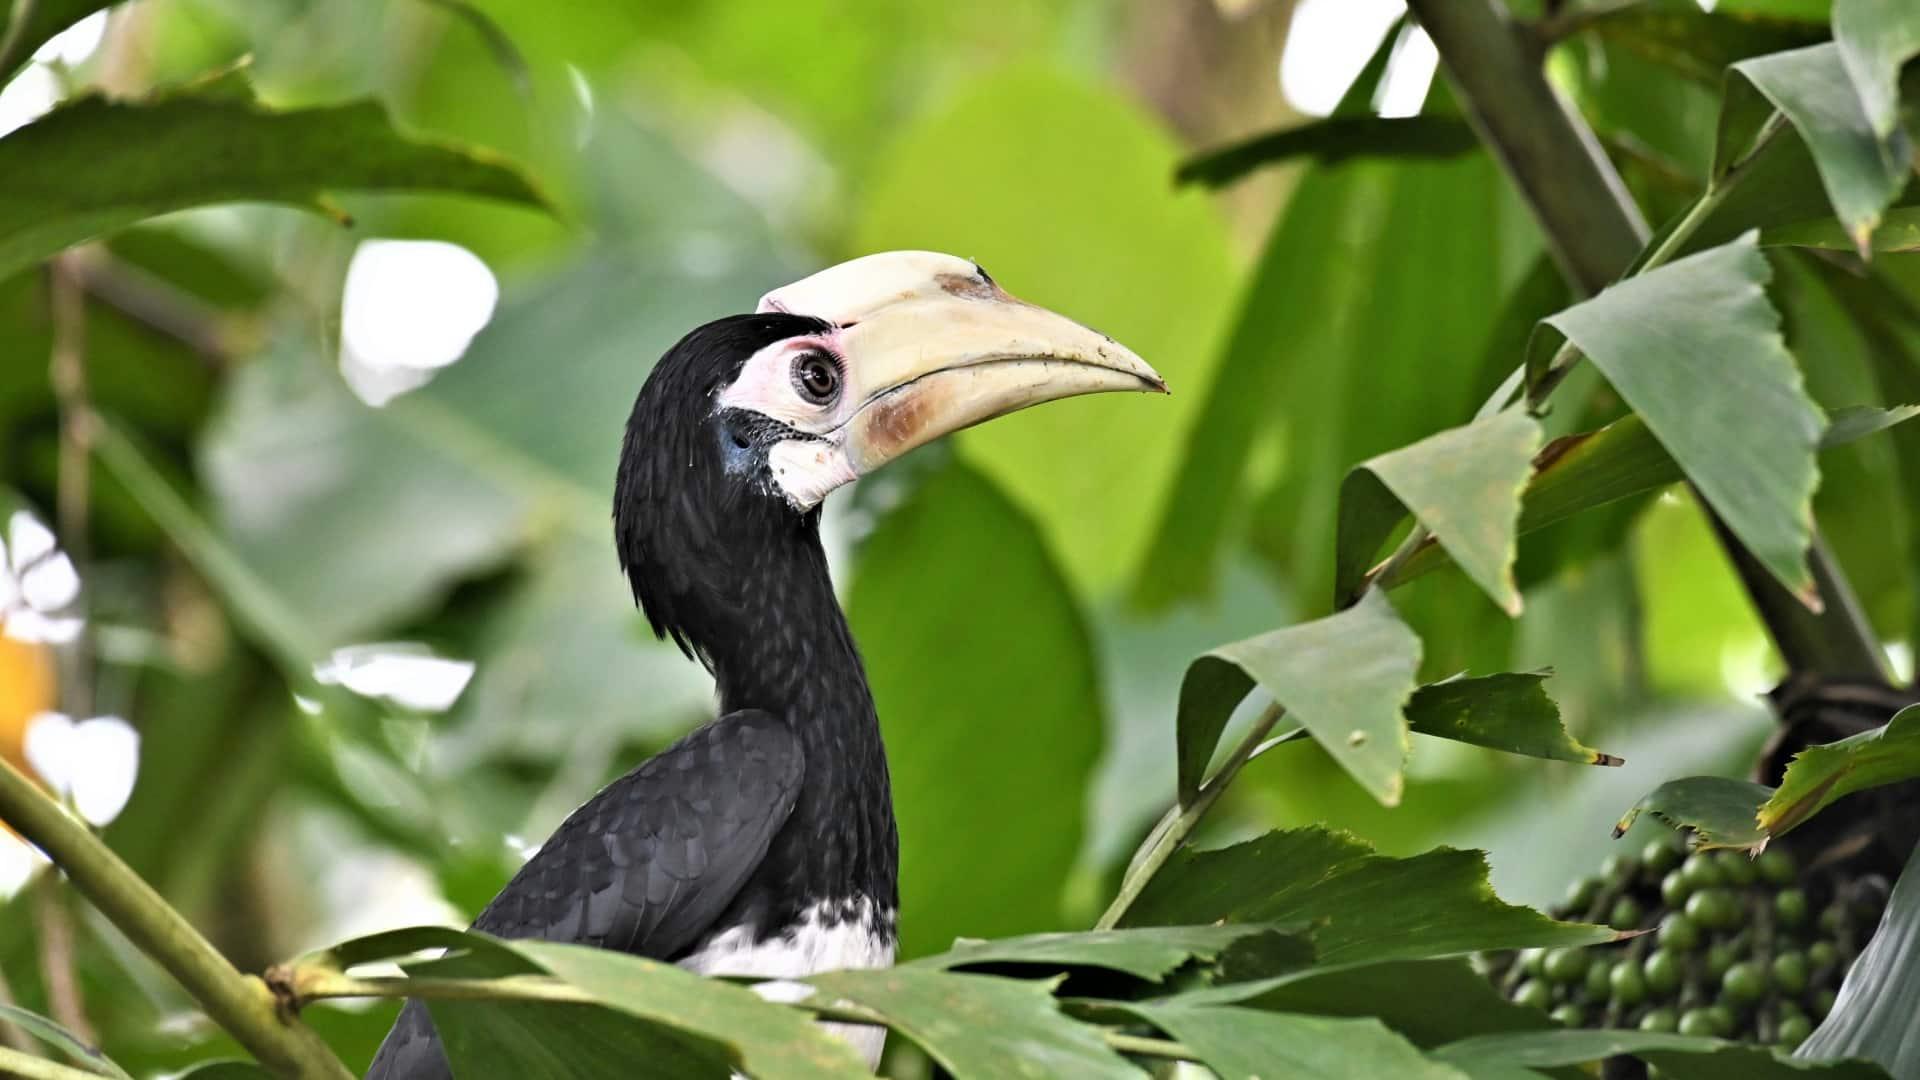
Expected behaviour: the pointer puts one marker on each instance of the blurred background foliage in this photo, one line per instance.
(400, 437)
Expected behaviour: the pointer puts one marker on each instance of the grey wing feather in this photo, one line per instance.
(645, 867)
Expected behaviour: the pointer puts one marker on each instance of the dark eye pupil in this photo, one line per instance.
(818, 378)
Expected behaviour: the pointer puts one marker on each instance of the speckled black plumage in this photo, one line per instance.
(781, 803)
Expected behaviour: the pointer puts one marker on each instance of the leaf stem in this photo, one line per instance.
(1173, 830)
(1149, 1047)
(32, 1067)
(239, 1003)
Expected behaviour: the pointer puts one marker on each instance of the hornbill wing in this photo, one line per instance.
(645, 867)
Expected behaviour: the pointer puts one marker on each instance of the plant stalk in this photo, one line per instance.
(239, 1003)
(1173, 831)
(31, 1067)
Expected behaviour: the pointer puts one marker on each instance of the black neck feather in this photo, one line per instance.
(736, 576)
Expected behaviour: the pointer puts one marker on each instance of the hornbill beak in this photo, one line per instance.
(930, 344)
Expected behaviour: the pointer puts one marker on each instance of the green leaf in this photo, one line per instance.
(697, 1019)
(1684, 1057)
(1463, 484)
(1144, 952)
(1877, 1013)
(1357, 899)
(1820, 774)
(1861, 169)
(1698, 44)
(1344, 678)
(1329, 142)
(1429, 1001)
(1874, 38)
(769, 1040)
(979, 1026)
(1093, 473)
(580, 1042)
(30, 24)
(1702, 330)
(928, 628)
(1720, 809)
(93, 166)
(73, 1046)
(1239, 1043)
(1509, 712)
(1853, 422)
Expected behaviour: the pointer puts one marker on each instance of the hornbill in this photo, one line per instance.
(764, 843)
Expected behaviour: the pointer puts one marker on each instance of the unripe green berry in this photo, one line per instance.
(1776, 866)
(1679, 933)
(1790, 907)
(1660, 1019)
(1714, 909)
(1698, 1022)
(1565, 965)
(1626, 914)
(1675, 888)
(1534, 994)
(1569, 1015)
(1533, 961)
(1629, 986)
(1833, 920)
(1823, 1003)
(1720, 958)
(1702, 872)
(1723, 1019)
(1822, 955)
(1790, 972)
(1744, 983)
(1599, 984)
(1662, 973)
(1660, 856)
(1736, 868)
(1793, 1031)
(1580, 894)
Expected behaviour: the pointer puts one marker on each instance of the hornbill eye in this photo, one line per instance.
(817, 377)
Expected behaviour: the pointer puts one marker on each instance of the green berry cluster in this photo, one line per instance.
(1741, 948)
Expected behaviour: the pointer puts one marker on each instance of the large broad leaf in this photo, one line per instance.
(536, 1022)
(1310, 382)
(94, 165)
(1149, 952)
(1695, 348)
(1721, 811)
(1240, 1043)
(1740, 813)
(1042, 214)
(1344, 678)
(1877, 1014)
(1463, 484)
(1862, 169)
(1683, 1057)
(979, 1026)
(1431, 1002)
(1357, 899)
(1576, 473)
(937, 586)
(1875, 37)
(1698, 44)
(1509, 711)
(1820, 774)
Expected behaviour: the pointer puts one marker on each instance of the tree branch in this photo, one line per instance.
(240, 1004)
(31, 1067)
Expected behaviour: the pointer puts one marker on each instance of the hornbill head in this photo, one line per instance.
(749, 422)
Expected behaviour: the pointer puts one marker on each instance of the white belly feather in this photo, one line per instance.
(811, 946)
